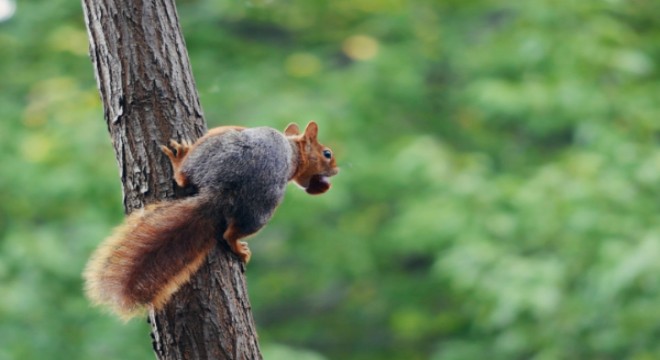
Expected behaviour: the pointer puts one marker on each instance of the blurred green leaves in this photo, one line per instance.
(497, 197)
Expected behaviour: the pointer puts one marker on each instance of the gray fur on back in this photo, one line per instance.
(252, 165)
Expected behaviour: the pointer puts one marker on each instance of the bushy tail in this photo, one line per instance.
(150, 256)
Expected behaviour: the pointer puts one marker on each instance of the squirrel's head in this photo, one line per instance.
(316, 162)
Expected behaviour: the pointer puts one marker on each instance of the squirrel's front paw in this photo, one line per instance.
(180, 151)
(176, 157)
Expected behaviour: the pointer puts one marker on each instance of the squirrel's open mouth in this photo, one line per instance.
(318, 184)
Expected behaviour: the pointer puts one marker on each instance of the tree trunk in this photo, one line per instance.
(149, 96)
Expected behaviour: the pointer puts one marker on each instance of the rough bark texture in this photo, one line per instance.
(149, 96)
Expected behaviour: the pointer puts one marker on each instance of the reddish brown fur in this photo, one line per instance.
(150, 256)
(232, 235)
(312, 164)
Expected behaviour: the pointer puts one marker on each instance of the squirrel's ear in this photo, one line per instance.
(292, 129)
(312, 130)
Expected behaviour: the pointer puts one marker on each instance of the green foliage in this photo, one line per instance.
(498, 193)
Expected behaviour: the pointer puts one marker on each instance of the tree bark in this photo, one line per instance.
(149, 96)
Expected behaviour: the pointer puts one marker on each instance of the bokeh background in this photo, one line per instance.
(498, 196)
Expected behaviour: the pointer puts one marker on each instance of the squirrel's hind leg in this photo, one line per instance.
(232, 236)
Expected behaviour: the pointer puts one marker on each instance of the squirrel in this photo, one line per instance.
(238, 177)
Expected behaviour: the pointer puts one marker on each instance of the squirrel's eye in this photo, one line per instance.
(327, 154)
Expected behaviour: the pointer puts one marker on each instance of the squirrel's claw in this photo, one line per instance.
(167, 151)
(177, 152)
(180, 150)
(244, 251)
